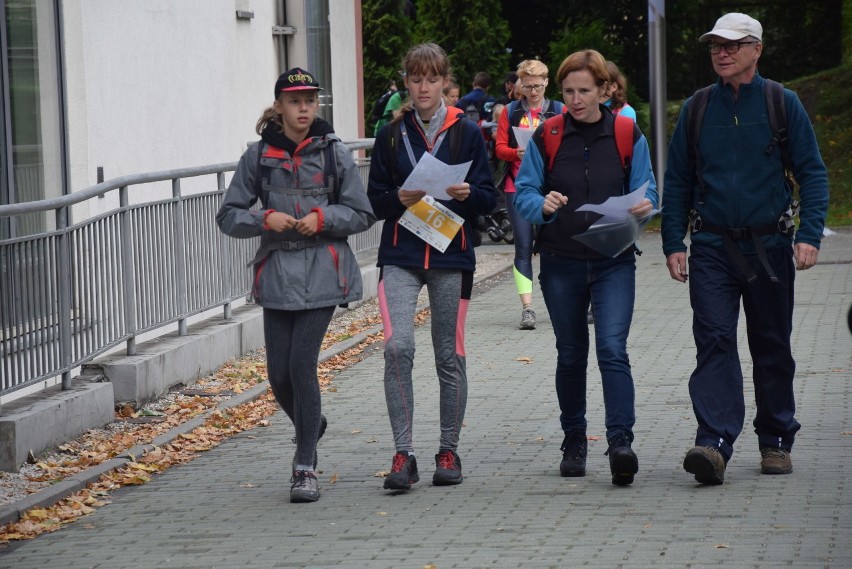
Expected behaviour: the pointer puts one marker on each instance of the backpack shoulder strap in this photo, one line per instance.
(774, 93)
(552, 135)
(695, 118)
(624, 140)
(455, 135)
(329, 171)
(393, 135)
(259, 169)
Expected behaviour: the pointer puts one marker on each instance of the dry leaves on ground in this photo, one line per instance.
(139, 427)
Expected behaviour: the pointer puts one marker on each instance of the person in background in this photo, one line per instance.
(527, 113)
(408, 263)
(508, 89)
(451, 92)
(728, 186)
(586, 169)
(615, 96)
(304, 267)
(477, 103)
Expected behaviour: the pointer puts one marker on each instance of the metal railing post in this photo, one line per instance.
(63, 291)
(180, 257)
(129, 279)
(226, 259)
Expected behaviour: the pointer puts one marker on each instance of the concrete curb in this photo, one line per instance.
(46, 497)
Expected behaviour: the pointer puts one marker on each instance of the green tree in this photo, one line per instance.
(386, 32)
(474, 34)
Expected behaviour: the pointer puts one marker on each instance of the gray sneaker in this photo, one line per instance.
(305, 487)
(528, 319)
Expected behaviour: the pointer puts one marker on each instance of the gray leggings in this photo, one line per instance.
(449, 296)
(293, 341)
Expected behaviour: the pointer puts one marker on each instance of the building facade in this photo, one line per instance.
(98, 89)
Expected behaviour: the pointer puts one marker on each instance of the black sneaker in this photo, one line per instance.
(622, 460)
(323, 427)
(447, 469)
(574, 448)
(706, 463)
(305, 487)
(403, 472)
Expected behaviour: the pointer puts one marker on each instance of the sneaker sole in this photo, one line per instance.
(299, 497)
(391, 484)
(441, 481)
(703, 469)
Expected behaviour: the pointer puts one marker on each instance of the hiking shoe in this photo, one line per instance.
(775, 460)
(447, 469)
(706, 463)
(403, 472)
(622, 460)
(305, 487)
(323, 426)
(574, 448)
(528, 319)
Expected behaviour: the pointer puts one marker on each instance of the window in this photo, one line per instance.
(32, 150)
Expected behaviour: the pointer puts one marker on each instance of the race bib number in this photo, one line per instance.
(432, 222)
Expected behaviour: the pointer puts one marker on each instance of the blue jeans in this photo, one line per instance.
(568, 285)
(716, 288)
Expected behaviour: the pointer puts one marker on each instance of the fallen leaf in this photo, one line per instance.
(721, 546)
(381, 474)
(381, 513)
(524, 359)
(355, 431)
(334, 478)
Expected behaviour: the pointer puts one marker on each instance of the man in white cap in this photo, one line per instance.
(725, 182)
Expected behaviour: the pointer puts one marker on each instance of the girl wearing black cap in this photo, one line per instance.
(304, 267)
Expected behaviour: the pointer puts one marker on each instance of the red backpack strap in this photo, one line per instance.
(552, 135)
(624, 140)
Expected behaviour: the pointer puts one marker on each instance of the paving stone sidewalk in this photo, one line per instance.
(229, 508)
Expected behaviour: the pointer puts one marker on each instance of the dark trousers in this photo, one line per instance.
(293, 341)
(716, 288)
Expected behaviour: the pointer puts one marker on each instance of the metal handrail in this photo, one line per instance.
(75, 292)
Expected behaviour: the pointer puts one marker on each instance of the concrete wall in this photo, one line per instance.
(162, 84)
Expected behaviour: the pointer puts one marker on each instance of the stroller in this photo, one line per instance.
(496, 224)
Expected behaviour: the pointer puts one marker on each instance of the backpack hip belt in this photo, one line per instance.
(295, 245)
(784, 225)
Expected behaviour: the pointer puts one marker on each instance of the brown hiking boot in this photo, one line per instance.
(706, 463)
(775, 461)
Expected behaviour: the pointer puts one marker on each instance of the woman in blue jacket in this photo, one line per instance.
(408, 262)
(586, 169)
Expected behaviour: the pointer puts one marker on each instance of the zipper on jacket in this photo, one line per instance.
(586, 154)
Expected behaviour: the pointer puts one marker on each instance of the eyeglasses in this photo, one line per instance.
(537, 87)
(731, 47)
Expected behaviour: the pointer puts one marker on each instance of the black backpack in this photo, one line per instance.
(380, 104)
(774, 94)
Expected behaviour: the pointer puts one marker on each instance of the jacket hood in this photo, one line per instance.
(271, 135)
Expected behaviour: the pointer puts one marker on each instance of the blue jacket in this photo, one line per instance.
(398, 245)
(744, 183)
(585, 177)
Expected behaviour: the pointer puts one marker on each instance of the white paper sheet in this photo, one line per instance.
(616, 208)
(523, 136)
(434, 176)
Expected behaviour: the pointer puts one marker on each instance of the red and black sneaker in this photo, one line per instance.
(447, 469)
(403, 472)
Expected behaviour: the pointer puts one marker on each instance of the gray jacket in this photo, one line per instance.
(291, 271)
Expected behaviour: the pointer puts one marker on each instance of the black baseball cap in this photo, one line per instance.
(296, 79)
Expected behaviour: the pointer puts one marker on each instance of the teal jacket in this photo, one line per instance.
(743, 176)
